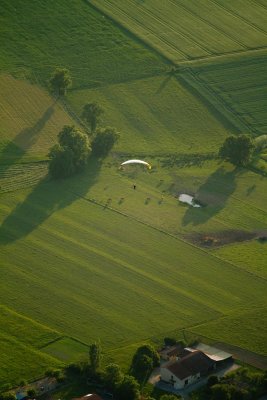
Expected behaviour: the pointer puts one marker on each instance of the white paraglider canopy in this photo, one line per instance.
(136, 162)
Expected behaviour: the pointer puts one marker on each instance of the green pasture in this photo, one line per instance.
(156, 115)
(38, 36)
(188, 30)
(30, 121)
(249, 256)
(24, 329)
(227, 329)
(20, 341)
(91, 258)
(19, 361)
(67, 350)
(101, 267)
(232, 198)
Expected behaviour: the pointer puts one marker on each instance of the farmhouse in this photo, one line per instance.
(188, 369)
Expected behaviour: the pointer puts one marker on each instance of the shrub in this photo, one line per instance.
(70, 155)
(237, 149)
(103, 141)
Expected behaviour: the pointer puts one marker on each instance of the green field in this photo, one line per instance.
(67, 350)
(227, 329)
(90, 258)
(53, 34)
(240, 86)
(183, 30)
(155, 116)
(30, 121)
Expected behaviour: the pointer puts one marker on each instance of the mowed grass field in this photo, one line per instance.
(36, 37)
(104, 271)
(89, 258)
(183, 30)
(226, 329)
(30, 120)
(155, 116)
(20, 341)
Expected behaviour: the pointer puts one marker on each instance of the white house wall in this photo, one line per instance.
(167, 376)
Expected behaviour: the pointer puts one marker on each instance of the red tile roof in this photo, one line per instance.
(193, 363)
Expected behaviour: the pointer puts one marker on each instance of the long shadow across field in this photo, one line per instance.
(213, 194)
(46, 198)
(25, 139)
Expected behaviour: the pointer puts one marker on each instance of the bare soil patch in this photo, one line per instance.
(221, 238)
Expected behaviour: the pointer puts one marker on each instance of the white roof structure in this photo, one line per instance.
(212, 352)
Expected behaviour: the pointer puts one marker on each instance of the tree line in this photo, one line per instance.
(74, 148)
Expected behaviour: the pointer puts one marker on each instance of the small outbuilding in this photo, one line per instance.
(172, 353)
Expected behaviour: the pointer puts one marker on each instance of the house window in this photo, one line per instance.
(186, 382)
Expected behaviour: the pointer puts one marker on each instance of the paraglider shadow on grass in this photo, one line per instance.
(16, 149)
(212, 195)
(47, 197)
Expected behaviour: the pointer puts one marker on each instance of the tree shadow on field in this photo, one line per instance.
(212, 195)
(164, 83)
(16, 149)
(46, 198)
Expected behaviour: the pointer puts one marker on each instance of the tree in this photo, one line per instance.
(104, 140)
(31, 393)
(61, 162)
(112, 376)
(237, 149)
(128, 389)
(70, 155)
(144, 360)
(212, 380)
(220, 392)
(169, 397)
(168, 341)
(70, 137)
(95, 356)
(7, 396)
(60, 81)
(91, 114)
(143, 366)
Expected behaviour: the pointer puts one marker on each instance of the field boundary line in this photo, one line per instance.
(167, 57)
(62, 338)
(147, 44)
(230, 263)
(225, 112)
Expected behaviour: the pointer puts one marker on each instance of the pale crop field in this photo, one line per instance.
(186, 30)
